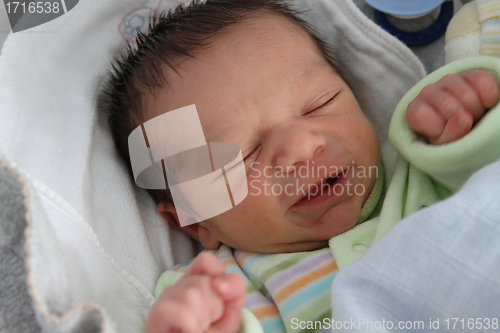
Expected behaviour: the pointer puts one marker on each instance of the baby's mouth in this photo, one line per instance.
(322, 190)
(324, 185)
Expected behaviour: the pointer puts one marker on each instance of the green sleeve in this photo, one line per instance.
(453, 163)
(167, 279)
(424, 174)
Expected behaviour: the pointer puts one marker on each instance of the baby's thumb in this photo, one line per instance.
(230, 287)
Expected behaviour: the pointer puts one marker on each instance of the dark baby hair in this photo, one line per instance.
(175, 34)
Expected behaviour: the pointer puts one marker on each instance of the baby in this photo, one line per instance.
(261, 79)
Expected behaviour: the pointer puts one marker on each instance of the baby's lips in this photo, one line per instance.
(323, 182)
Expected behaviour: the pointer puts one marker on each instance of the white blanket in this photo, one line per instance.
(109, 243)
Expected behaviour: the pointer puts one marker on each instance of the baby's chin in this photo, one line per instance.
(304, 246)
(285, 247)
(339, 220)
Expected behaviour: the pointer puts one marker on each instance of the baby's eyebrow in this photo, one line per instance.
(307, 73)
(314, 70)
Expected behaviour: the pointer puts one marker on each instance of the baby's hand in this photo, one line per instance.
(205, 299)
(446, 110)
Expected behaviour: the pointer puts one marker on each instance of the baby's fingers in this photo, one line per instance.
(485, 85)
(459, 120)
(424, 119)
(463, 92)
(439, 115)
(457, 126)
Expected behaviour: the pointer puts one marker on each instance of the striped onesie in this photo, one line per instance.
(283, 289)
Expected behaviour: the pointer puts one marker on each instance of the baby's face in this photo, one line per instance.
(266, 87)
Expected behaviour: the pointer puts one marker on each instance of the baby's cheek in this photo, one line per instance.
(254, 187)
(365, 141)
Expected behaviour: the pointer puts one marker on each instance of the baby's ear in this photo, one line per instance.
(195, 230)
(169, 214)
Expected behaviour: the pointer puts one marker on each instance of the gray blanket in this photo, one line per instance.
(18, 311)
(17, 314)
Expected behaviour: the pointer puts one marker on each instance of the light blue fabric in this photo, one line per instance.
(441, 263)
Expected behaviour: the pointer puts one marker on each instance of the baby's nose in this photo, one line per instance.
(295, 143)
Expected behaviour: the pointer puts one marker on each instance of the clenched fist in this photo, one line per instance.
(446, 110)
(204, 300)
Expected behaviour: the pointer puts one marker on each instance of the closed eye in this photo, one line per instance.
(239, 162)
(252, 153)
(327, 103)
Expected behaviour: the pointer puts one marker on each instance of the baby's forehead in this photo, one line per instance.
(259, 34)
(268, 51)
(255, 28)
(268, 22)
